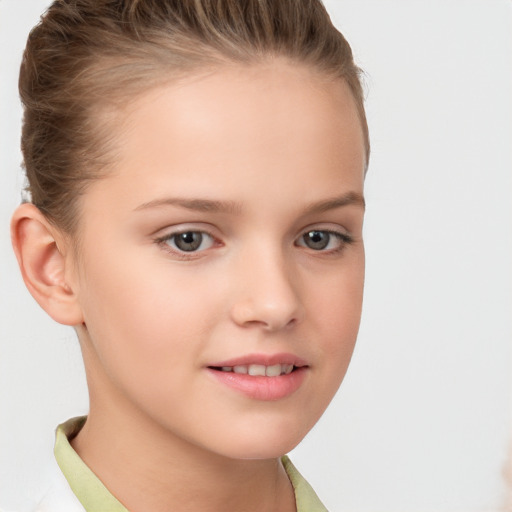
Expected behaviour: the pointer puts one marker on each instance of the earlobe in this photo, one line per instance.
(39, 251)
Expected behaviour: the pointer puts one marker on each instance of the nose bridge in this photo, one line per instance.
(268, 288)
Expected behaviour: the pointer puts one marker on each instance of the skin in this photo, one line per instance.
(268, 142)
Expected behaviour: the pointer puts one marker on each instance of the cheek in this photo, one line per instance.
(150, 315)
(337, 302)
(144, 331)
(334, 311)
(336, 308)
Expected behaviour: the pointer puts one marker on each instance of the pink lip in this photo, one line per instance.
(265, 359)
(260, 387)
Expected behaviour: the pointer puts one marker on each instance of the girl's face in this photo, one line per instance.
(225, 243)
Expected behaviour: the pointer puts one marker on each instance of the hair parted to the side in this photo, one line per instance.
(88, 57)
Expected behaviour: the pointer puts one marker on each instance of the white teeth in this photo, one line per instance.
(257, 369)
(260, 369)
(287, 368)
(273, 371)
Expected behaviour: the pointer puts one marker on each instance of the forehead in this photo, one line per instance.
(272, 122)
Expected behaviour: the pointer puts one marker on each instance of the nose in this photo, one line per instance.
(267, 293)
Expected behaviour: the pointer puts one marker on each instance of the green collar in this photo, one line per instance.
(94, 496)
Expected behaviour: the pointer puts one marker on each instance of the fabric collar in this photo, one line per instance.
(94, 496)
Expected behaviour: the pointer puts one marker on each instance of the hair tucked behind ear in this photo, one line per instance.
(87, 57)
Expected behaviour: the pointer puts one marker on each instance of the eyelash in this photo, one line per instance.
(163, 242)
(343, 238)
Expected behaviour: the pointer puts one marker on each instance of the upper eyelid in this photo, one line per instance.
(184, 227)
(327, 227)
(342, 235)
(218, 235)
(176, 251)
(171, 234)
(344, 238)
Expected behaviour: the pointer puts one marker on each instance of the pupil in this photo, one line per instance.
(317, 239)
(188, 241)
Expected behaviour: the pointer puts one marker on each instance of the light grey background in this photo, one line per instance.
(423, 420)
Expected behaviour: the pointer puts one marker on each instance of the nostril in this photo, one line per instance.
(267, 301)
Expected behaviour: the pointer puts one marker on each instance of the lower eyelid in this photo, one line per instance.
(164, 239)
(344, 239)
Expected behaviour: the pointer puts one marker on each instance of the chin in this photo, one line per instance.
(261, 452)
(263, 443)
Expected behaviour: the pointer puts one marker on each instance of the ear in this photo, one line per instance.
(45, 260)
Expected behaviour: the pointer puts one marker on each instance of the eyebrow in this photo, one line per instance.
(199, 205)
(235, 207)
(348, 199)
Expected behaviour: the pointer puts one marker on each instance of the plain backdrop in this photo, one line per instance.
(422, 422)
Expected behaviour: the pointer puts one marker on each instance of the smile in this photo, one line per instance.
(261, 377)
(255, 370)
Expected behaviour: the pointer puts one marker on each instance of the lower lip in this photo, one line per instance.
(262, 388)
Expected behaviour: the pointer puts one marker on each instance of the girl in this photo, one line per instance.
(196, 173)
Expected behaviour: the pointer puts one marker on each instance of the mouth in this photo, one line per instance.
(262, 377)
(257, 370)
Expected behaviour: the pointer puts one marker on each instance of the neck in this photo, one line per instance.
(148, 468)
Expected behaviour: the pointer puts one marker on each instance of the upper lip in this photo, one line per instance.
(262, 359)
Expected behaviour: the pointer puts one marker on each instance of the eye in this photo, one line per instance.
(324, 240)
(188, 241)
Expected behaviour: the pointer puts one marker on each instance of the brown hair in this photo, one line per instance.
(87, 56)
